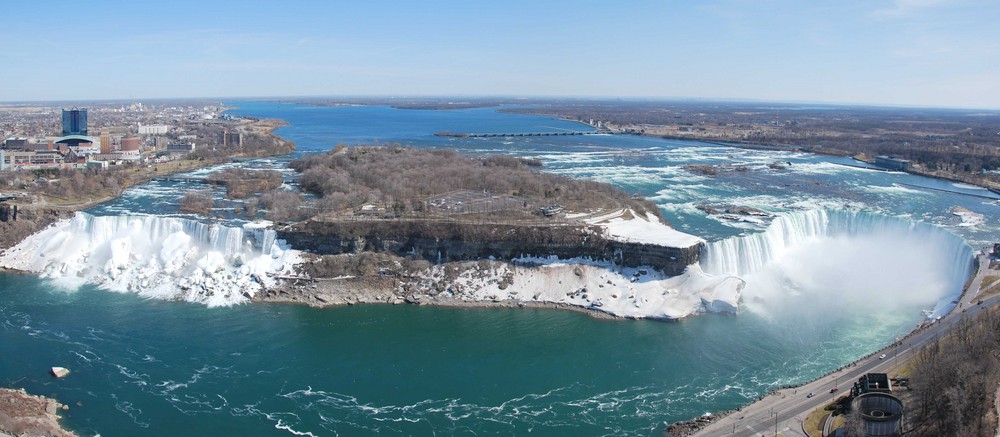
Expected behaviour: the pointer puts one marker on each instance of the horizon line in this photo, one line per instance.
(507, 97)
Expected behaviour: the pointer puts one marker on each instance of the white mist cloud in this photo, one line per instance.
(875, 273)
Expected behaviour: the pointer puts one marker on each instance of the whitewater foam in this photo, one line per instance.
(845, 255)
(160, 257)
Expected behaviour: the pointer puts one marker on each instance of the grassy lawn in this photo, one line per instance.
(813, 422)
(990, 281)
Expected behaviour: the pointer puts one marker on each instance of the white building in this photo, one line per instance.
(153, 129)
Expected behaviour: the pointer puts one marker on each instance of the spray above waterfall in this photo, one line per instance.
(160, 257)
(847, 259)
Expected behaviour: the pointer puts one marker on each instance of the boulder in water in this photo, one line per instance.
(60, 372)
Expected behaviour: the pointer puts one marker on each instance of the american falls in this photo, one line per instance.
(160, 257)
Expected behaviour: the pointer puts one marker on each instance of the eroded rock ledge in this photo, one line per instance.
(438, 242)
(22, 414)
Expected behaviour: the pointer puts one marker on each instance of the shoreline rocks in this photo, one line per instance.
(22, 414)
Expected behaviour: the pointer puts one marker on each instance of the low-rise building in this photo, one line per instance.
(93, 163)
(153, 129)
(178, 148)
(15, 143)
(10, 159)
(893, 163)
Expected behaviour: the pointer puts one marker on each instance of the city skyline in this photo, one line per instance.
(937, 53)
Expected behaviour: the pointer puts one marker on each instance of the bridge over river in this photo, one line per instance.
(522, 134)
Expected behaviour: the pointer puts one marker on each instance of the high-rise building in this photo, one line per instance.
(74, 122)
(105, 140)
(232, 138)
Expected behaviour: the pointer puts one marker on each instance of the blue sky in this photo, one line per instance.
(896, 52)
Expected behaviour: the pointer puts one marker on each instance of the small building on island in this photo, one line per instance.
(551, 210)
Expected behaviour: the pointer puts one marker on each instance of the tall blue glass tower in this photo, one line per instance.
(74, 122)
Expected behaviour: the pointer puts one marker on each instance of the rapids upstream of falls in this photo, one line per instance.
(838, 260)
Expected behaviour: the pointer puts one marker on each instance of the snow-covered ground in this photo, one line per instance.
(600, 286)
(626, 225)
(640, 292)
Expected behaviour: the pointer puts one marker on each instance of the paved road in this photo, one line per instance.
(785, 410)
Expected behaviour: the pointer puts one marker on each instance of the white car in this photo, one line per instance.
(881, 356)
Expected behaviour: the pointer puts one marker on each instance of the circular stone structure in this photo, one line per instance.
(882, 413)
(130, 145)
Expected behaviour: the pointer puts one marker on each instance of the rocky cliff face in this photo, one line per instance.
(450, 241)
(15, 227)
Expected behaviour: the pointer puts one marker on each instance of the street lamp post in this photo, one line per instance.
(895, 357)
(775, 424)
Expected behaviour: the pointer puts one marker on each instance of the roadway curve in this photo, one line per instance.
(792, 404)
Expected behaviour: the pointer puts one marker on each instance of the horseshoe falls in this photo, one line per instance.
(842, 257)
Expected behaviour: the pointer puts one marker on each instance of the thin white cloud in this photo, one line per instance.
(904, 7)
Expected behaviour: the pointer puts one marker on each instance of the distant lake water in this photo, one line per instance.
(151, 367)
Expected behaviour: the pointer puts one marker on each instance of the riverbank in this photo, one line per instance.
(22, 414)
